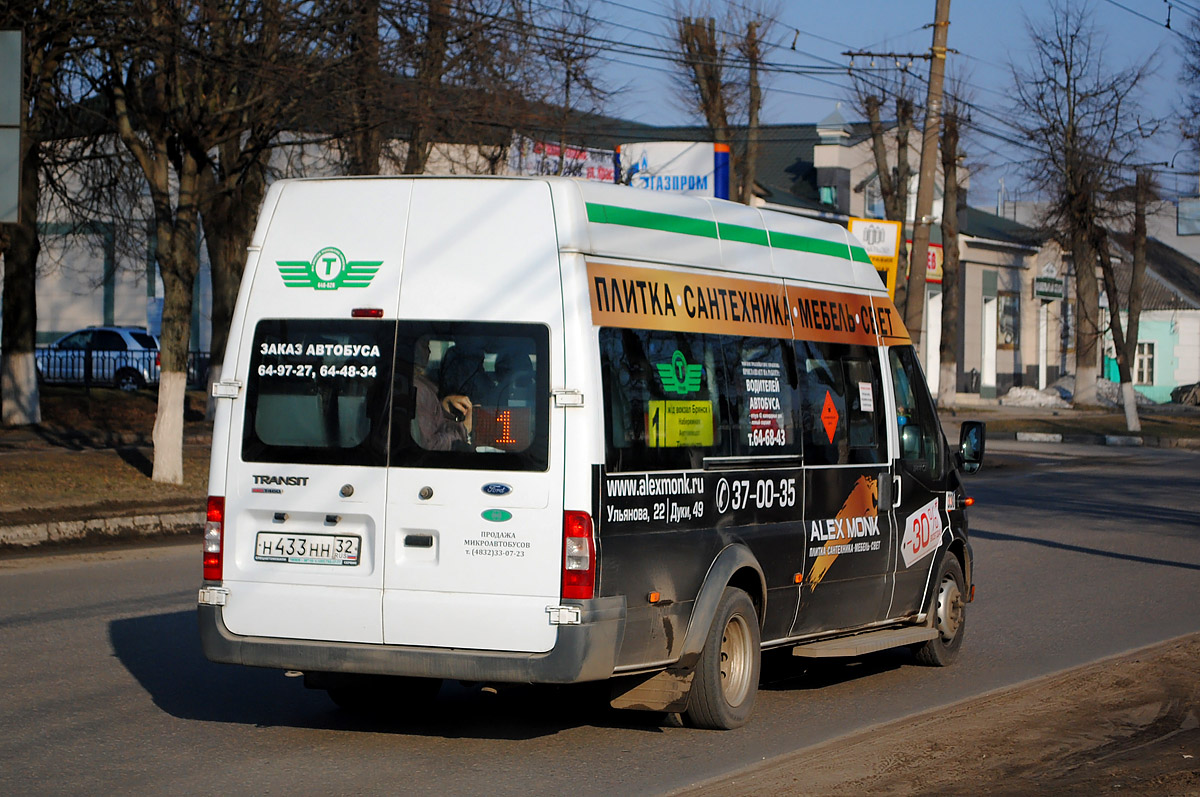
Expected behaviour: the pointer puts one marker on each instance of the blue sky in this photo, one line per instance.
(988, 35)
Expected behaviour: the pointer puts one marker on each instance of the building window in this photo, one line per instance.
(1144, 364)
(1008, 320)
(828, 195)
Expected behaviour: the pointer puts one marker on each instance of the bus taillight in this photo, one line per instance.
(214, 537)
(579, 556)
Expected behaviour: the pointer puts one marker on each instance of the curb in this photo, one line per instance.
(1145, 441)
(68, 531)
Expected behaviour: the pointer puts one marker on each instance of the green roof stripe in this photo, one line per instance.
(802, 243)
(746, 235)
(859, 255)
(648, 220)
(686, 225)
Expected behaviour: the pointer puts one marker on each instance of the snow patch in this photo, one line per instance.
(1109, 394)
(1032, 397)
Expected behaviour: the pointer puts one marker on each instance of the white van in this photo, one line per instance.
(549, 431)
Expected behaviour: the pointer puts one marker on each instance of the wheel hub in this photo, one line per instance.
(735, 661)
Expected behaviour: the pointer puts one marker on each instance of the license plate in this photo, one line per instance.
(306, 549)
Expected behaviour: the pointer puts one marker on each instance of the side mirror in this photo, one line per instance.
(971, 440)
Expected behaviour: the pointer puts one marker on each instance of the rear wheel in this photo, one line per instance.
(948, 607)
(726, 679)
(129, 380)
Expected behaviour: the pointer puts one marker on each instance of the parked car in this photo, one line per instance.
(1187, 394)
(124, 357)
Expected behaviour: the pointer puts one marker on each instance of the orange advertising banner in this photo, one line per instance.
(836, 317)
(646, 298)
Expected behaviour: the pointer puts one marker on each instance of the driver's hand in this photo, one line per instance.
(462, 404)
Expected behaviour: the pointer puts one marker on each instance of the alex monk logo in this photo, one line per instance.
(327, 271)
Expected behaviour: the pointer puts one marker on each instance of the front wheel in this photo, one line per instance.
(726, 679)
(949, 609)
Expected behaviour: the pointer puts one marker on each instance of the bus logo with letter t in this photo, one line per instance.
(678, 376)
(328, 270)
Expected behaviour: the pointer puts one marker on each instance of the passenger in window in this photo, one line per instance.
(463, 372)
(514, 377)
(442, 425)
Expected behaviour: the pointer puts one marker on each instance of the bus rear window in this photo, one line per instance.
(471, 395)
(318, 392)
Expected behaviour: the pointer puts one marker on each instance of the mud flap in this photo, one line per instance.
(661, 691)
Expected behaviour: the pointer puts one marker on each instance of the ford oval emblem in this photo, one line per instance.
(496, 488)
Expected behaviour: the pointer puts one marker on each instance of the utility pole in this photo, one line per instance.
(915, 311)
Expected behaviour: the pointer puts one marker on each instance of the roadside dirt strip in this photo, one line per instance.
(1129, 724)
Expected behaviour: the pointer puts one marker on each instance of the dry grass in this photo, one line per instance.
(91, 458)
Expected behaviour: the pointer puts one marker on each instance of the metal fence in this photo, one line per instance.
(125, 369)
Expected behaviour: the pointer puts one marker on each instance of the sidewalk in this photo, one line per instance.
(1163, 426)
(61, 486)
(68, 486)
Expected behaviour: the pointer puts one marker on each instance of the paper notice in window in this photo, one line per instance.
(866, 398)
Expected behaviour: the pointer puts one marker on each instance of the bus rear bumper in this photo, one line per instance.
(586, 651)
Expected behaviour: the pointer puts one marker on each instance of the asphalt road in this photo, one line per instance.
(1081, 553)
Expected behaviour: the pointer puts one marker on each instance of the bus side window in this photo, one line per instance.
(916, 420)
(843, 408)
(664, 405)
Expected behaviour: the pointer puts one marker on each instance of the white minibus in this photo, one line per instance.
(518, 430)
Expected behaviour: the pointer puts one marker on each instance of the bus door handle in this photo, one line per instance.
(896, 492)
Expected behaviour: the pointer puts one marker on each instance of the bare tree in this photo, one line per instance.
(565, 41)
(951, 198)
(721, 83)
(268, 55)
(1189, 115)
(1077, 116)
(706, 60)
(173, 104)
(49, 35)
(365, 142)
(872, 91)
(415, 76)
(751, 49)
(1125, 334)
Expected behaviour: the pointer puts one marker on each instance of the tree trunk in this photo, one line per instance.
(1136, 287)
(705, 57)
(749, 167)
(429, 79)
(229, 219)
(1087, 322)
(893, 182)
(178, 266)
(365, 139)
(18, 370)
(1125, 339)
(948, 348)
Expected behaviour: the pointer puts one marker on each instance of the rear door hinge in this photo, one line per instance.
(567, 398)
(226, 389)
(565, 615)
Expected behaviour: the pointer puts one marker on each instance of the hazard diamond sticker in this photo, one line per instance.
(829, 416)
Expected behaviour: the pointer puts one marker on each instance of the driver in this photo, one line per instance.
(443, 425)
